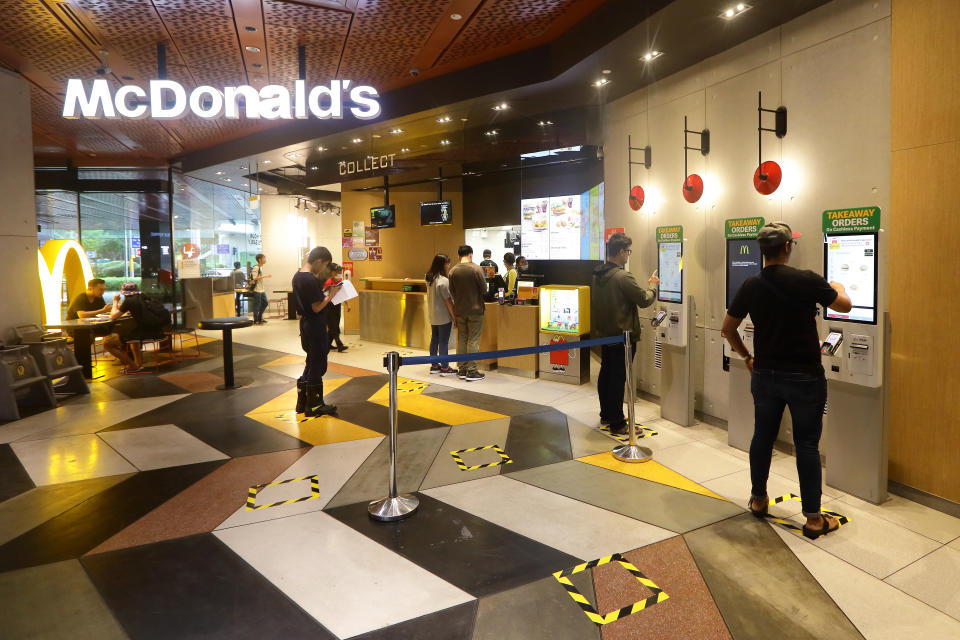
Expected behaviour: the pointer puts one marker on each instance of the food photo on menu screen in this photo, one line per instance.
(852, 261)
(568, 227)
(670, 267)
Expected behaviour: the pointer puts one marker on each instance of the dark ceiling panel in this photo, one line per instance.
(323, 31)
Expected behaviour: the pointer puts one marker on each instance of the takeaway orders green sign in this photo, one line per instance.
(859, 220)
(742, 228)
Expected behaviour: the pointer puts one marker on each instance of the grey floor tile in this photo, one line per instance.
(445, 471)
(667, 507)
(587, 441)
(934, 579)
(760, 586)
(536, 439)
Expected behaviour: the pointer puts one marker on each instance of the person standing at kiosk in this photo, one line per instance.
(614, 298)
(311, 304)
(786, 370)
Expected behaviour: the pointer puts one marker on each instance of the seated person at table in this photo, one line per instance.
(89, 304)
(150, 316)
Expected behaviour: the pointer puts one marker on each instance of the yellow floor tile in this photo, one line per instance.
(404, 386)
(285, 360)
(652, 471)
(288, 399)
(436, 409)
(320, 430)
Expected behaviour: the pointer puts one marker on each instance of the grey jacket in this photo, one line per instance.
(614, 298)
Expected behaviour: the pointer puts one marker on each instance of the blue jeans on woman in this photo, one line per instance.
(440, 341)
(806, 395)
(259, 305)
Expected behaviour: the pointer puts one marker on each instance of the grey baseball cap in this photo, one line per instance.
(774, 234)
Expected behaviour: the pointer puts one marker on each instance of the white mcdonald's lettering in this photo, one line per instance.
(58, 259)
(169, 99)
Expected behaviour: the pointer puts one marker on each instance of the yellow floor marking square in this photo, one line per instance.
(405, 386)
(652, 471)
(288, 399)
(315, 431)
(285, 360)
(439, 410)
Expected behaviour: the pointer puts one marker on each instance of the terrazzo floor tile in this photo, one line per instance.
(689, 613)
(14, 479)
(919, 518)
(197, 588)
(161, 446)
(194, 381)
(668, 434)
(785, 465)
(334, 464)
(652, 471)
(536, 439)
(482, 400)
(348, 582)
(879, 610)
(955, 544)
(317, 430)
(144, 386)
(455, 623)
(357, 389)
(31, 509)
(377, 417)
(933, 579)
(288, 399)
(209, 362)
(576, 528)
(474, 554)
(54, 601)
(416, 453)
(70, 458)
(239, 436)
(353, 372)
(586, 441)
(444, 469)
(438, 409)
(699, 462)
(629, 496)
(735, 487)
(202, 506)
(759, 585)
(541, 610)
(80, 529)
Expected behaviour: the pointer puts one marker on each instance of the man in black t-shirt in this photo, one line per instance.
(90, 303)
(782, 303)
(487, 262)
(312, 301)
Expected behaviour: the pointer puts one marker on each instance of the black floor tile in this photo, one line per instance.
(144, 386)
(455, 623)
(356, 390)
(537, 439)
(239, 436)
(485, 401)
(377, 417)
(77, 531)
(476, 555)
(195, 587)
(14, 479)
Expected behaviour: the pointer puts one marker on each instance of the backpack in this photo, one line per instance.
(155, 315)
(251, 283)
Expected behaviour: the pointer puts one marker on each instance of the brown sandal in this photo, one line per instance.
(813, 534)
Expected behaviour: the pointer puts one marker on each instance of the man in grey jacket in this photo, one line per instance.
(614, 298)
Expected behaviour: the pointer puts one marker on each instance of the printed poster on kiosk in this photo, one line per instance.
(670, 263)
(850, 258)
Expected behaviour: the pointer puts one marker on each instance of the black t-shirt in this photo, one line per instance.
(83, 303)
(782, 303)
(490, 263)
(308, 289)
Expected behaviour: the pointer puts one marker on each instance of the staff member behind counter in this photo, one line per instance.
(312, 301)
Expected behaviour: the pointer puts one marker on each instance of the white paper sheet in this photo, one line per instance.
(347, 292)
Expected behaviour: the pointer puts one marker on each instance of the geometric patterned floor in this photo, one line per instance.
(124, 514)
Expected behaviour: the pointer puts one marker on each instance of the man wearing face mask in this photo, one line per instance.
(312, 302)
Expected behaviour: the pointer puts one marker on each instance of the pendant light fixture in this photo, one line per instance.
(767, 177)
(692, 183)
(636, 191)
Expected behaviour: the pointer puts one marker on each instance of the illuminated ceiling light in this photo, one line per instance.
(321, 148)
(396, 131)
(444, 142)
(606, 72)
(244, 184)
(228, 179)
(503, 106)
(455, 16)
(492, 132)
(444, 119)
(252, 49)
(601, 82)
(733, 12)
(545, 123)
(295, 155)
(219, 173)
(404, 149)
(357, 140)
(266, 162)
(314, 168)
(651, 55)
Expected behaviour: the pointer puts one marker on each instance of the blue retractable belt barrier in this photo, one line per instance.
(506, 353)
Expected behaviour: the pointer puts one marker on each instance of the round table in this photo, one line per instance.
(83, 330)
(227, 325)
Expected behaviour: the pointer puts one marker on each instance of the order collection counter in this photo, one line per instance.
(394, 311)
(518, 326)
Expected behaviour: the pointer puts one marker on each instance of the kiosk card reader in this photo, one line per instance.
(674, 329)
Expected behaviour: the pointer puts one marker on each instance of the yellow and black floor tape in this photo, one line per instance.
(590, 611)
(252, 494)
(642, 432)
(787, 524)
(504, 458)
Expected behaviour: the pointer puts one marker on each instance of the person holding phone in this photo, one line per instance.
(786, 371)
(334, 312)
(614, 299)
(312, 303)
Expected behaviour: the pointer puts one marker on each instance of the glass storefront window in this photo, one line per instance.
(57, 216)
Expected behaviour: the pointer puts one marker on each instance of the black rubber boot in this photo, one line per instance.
(301, 397)
(315, 405)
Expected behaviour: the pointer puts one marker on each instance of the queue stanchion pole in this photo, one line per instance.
(394, 506)
(631, 452)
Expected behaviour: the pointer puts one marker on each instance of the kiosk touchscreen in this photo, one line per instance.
(851, 260)
(744, 261)
(670, 270)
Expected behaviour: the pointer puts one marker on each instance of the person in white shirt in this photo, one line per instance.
(440, 310)
(257, 276)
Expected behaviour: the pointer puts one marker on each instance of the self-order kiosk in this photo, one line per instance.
(675, 325)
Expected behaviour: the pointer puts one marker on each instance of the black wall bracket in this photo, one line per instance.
(647, 159)
(779, 128)
(704, 148)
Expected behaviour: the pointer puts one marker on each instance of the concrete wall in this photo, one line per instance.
(831, 69)
(18, 215)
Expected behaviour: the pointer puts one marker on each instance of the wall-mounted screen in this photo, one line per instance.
(744, 260)
(383, 217)
(566, 227)
(433, 213)
(851, 260)
(670, 270)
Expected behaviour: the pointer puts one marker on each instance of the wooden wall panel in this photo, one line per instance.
(924, 261)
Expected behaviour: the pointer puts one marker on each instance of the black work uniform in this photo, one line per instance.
(307, 289)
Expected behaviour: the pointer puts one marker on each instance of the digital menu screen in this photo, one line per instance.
(670, 270)
(383, 217)
(433, 213)
(568, 227)
(851, 260)
(744, 260)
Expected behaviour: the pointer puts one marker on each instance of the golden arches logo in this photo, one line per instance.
(744, 250)
(59, 259)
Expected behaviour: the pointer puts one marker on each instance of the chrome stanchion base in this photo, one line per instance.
(392, 509)
(635, 453)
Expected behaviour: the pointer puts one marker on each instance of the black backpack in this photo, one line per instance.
(155, 315)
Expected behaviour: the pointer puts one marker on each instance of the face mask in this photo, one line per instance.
(523, 268)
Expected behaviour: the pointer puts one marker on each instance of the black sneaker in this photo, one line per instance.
(447, 371)
(434, 368)
(474, 376)
(619, 430)
(462, 375)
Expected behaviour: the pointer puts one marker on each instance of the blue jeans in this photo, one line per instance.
(440, 340)
(806, 395)
(259, 305)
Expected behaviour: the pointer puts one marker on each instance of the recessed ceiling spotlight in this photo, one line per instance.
(219, 173)
(295, 155)
(735, 11)
(404, 149)
(244, 184)
(444, 142)
(321, 148)
(606, 72)
(545, 123)
(503, 106)
(375, 135)
(357, 140)
(651, 55)
(492, 132)
(444, 119)
(601, 82)
(396, 131)
(314, 168)
(250, 29)
(266, 162)
(257, 65)
(252, 49)
(228, 179)
(455, 16)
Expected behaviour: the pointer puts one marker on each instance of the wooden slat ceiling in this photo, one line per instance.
(375, 42)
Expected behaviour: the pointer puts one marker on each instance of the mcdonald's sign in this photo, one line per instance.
(744, 250)
(59, 259)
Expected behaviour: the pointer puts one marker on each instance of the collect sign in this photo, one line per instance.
(861, 220)
(369, 163)
(742, 228)
(670, 234)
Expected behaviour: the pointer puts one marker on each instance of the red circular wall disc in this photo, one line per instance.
(636, 198)
(692, 188)
(773, 174)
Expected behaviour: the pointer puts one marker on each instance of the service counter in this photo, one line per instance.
(518, 326)
(489, 338)
(207, 298)
(394, 311)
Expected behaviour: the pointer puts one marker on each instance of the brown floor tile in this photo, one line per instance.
(194, 382)
(353, 372)
(206, 504)
(689, 613)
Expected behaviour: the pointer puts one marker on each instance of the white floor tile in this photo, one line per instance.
(160, 446)
(786, 465)
(878, 610)
(736, 488)
(916, 517)
(955, 544)
(935, 579)
(698, 461)
(574, 527)
(70, 458)
(345, 580)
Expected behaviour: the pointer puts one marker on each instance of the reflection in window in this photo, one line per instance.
(57, 216)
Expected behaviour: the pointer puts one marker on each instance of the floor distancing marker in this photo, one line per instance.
(643, 432)
(254, 490)
(504, 458)
(842, 520)
(590, 611)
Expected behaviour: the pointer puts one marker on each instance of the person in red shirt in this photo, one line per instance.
(334, 313)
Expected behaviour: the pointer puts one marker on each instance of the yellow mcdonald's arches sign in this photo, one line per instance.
(59, 259)
(744, 250)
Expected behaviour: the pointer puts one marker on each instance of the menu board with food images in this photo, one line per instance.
(534, 228)
(565, 228)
